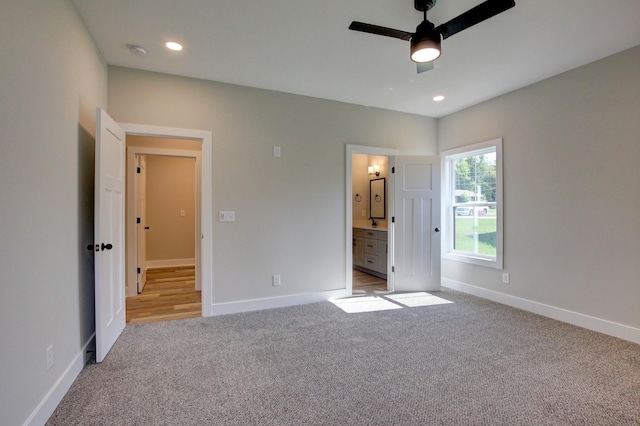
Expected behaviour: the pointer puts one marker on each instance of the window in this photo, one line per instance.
(472, 204)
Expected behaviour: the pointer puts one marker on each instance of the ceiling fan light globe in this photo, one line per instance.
(424, 49)
(425, 55)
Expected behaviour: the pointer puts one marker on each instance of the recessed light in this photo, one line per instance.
(438, 98)
(172, 45)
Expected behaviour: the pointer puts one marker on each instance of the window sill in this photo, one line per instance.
(495, 263)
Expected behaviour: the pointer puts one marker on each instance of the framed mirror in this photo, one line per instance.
(377, 202)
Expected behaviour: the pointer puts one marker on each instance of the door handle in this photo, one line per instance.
(437, 229)
(106, 246)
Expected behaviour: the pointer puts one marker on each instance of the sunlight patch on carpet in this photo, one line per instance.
(412, 300)
(364, 304)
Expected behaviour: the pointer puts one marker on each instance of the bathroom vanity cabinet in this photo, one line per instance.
(370, 251)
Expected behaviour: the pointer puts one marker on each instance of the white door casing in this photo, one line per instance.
(141, 225)
(109, 242)
(416, 226)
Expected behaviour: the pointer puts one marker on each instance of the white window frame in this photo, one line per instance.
(448, 203)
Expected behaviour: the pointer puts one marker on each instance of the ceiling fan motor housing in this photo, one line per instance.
(425, 43)
(423, 5)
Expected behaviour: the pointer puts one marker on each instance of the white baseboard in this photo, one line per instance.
(275, 302)
(166, 263)
(48, 405)
(610, 328)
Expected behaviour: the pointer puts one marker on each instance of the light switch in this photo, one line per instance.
(276, 151)
(227, 216)
(182, 213)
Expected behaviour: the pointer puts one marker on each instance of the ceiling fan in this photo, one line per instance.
(425, 41)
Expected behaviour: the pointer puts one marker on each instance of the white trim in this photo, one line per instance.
(367, 150)
(276, 302)
(447, 196)
(167, 263)
(50, 402)
(206, 191)
(610, 328)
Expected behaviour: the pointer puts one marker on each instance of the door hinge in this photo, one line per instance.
(137, 169)
(393, 269)
(138, 270)
(393, 169)
(137, 220)
(393, 219)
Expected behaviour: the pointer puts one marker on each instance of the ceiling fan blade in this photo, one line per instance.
(424, 66)
(383, 31)
(473, 16)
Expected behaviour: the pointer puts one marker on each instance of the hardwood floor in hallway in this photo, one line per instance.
(169, 294)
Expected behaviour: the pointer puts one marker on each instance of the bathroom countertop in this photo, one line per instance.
(377, 228)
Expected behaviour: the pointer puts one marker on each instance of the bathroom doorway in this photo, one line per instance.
(368, 231)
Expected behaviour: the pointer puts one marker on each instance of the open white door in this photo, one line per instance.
(141, 220)
(416, 223)
(109, 233)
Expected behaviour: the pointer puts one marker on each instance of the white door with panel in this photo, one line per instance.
(109, 240)
(416, 222)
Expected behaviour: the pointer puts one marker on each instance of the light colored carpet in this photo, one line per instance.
(470, 362)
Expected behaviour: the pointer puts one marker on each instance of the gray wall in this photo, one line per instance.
(572, 234)
(290, 211)
(571, 185)
(51, 80)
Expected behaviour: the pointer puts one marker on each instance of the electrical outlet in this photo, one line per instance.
(505, 277)
(276, 280)
(49, 357)
(364, 213)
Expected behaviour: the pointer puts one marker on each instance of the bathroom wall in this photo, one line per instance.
(360, 185)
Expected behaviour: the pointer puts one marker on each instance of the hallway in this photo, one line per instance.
(168, 294)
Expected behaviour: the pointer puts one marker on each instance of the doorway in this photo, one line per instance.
(413, 239)
(109, 222)
(163, 209)
(370, 177)
(372, 244)
(204, 231)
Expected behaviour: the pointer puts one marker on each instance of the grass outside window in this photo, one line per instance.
(486, 230)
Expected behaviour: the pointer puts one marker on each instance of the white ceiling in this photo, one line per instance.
(304, 46)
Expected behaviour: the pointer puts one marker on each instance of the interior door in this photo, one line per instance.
(109, 233)
(141, 225)
(416, 223)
